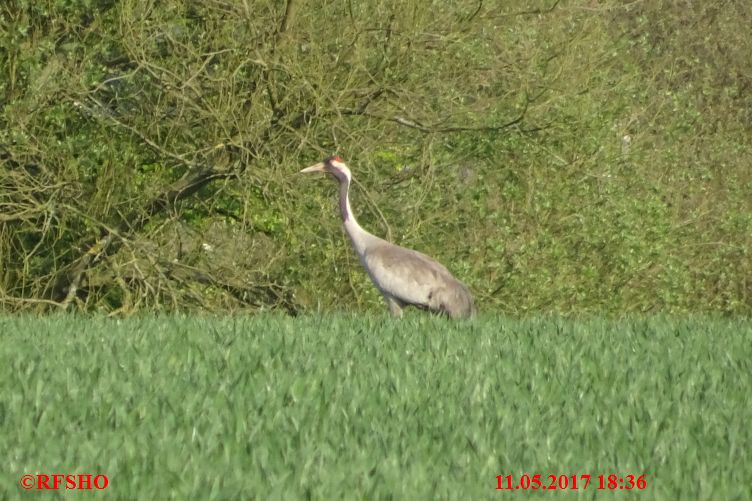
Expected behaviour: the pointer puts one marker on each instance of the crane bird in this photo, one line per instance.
(403, 276)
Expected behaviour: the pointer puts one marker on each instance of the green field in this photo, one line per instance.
(327, 407)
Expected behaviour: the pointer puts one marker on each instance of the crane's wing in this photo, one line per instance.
(411, 277)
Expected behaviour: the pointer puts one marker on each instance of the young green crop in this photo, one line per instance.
(197, 407)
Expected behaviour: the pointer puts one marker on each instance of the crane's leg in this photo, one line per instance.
(394, 307)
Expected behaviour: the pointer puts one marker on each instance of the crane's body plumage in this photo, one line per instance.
(403, 276)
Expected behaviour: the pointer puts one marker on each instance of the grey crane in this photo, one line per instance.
(403, 276)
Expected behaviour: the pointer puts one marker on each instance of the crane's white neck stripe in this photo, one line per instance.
(344, 200)
(344, 188)
(352, 228)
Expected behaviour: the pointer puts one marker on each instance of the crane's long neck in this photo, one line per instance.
(357, 234)
(344, 202)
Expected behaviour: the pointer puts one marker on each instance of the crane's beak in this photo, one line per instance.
(319, 167)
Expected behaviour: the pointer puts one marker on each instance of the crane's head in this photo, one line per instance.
(332, 165)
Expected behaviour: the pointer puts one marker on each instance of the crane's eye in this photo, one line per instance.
(337, 158)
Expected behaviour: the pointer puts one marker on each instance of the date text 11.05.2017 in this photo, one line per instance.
(538, 482)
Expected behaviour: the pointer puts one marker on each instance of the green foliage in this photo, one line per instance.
(556, 158)
(367, 407)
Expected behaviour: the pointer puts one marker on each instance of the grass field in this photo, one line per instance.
(327, 407)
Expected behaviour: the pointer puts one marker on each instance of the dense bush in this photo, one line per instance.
(557, 156)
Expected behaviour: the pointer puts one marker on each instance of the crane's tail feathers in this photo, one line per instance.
(454, 301)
